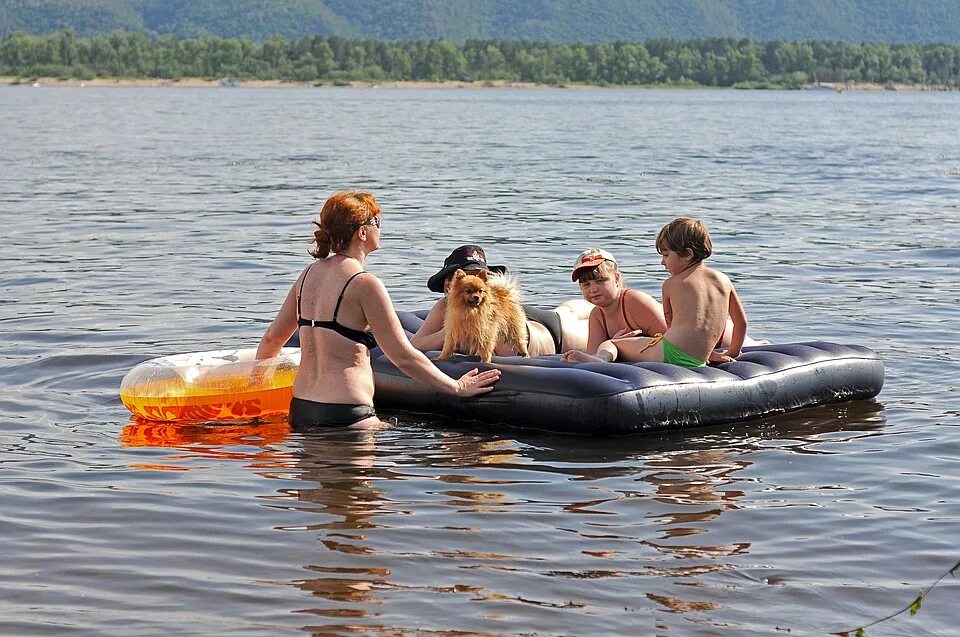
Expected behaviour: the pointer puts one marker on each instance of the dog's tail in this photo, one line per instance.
(507, 284)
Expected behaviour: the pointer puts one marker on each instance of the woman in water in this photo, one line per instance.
(344, 312)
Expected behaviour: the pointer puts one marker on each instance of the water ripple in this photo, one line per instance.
(141, 223)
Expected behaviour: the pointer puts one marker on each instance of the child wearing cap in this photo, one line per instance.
(618, 311)
(551, 331)
(697, 301)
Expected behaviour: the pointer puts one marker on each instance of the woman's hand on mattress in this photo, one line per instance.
(476, 382)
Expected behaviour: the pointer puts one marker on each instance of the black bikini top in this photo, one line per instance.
(357, 336)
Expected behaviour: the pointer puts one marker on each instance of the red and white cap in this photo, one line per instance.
(589, 259)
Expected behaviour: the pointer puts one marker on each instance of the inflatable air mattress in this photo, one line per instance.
(628, 398)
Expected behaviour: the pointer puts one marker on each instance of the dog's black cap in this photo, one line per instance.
(464, 257)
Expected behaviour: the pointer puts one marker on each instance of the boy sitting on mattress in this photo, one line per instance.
(696, 302)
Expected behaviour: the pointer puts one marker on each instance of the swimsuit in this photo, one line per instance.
(672, 354)
(675, 356)
(623, 313)
(357, 336)
(550, 319)
(307, 413)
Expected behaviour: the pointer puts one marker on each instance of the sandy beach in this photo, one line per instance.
(194, 82)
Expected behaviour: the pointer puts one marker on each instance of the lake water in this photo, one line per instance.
(144, 222)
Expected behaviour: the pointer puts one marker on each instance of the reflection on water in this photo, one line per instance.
(216, 442)
(395, 517)
(374, 505)
(340, 467)
(147, 433)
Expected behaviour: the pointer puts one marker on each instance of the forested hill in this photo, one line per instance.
(558, 21)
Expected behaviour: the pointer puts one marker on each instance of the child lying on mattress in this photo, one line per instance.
(697, 301)
(618, 311)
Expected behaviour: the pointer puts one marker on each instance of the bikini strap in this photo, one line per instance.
(623, 313)
(300, 291)
(603, 320)
(340, 298)
(623, 309)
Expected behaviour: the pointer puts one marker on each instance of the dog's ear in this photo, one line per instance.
(459, 274)
(482, 274)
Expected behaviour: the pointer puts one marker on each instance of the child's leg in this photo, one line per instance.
(578, 356)
(625, 350)
(636, 349)
(574, 323)
(606, 353)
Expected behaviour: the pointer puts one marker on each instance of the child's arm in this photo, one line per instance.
(596, 333)
(667, 308)
(739, 318)
(431, 333)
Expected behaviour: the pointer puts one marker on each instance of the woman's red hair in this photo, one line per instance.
(342, 214)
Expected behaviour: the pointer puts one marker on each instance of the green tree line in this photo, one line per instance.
(710, 62)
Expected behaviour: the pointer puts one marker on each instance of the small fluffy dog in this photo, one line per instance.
(483, 310)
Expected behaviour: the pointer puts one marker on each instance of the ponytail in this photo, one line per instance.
(321, 237)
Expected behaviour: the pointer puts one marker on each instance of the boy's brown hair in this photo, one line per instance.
(685, 233)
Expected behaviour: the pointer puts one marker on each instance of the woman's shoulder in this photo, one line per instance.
(440, 306)
(343, 278)
(596, 314)
(638, 297)
(364, 280)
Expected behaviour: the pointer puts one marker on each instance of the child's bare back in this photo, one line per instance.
(696, 305)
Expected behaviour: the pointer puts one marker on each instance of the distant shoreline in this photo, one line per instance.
(195, 82)
(284, 84)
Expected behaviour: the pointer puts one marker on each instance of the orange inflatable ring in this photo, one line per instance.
(228, 385)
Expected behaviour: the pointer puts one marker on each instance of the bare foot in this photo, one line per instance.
(576, 356)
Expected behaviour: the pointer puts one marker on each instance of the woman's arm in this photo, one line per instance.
(282, 327)
(430, 335)
(382, 319)
(644, 311)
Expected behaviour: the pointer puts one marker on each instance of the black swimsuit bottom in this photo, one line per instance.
(309, 413)
(550, 320)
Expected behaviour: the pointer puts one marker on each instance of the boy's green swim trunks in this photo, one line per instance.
(675, 356)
